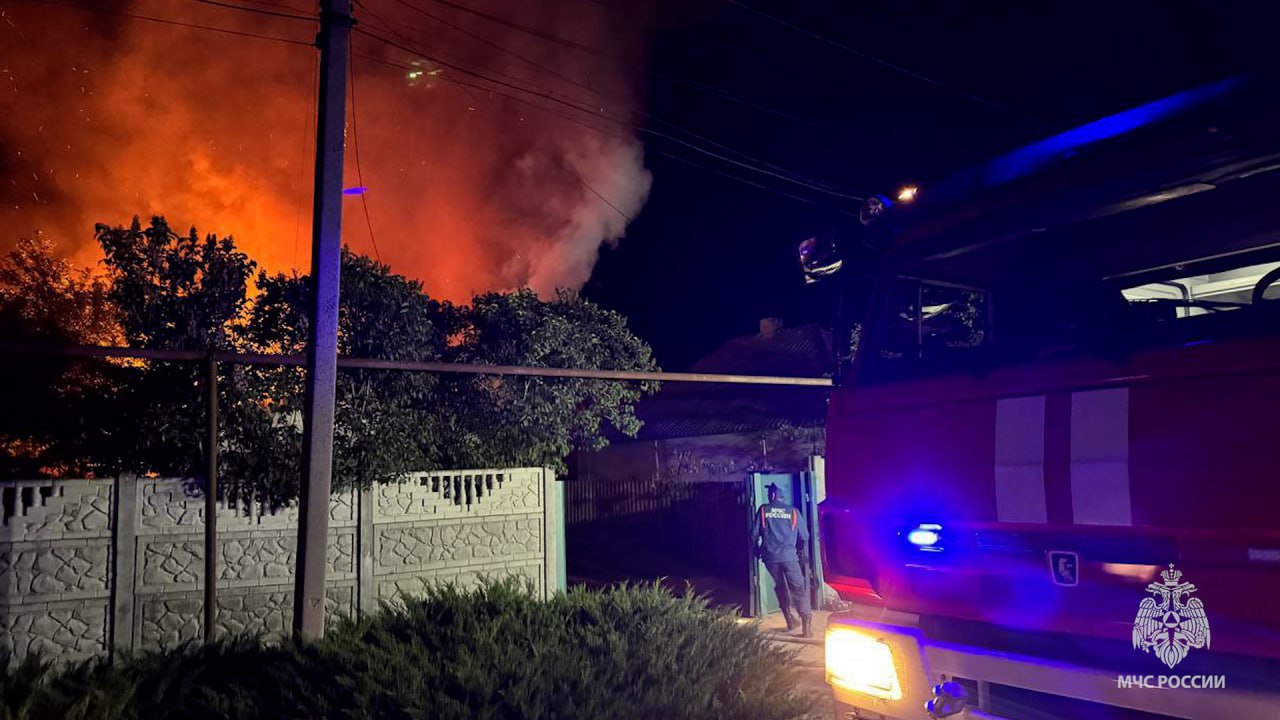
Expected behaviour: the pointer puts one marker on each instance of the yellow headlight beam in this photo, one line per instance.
(856, 661)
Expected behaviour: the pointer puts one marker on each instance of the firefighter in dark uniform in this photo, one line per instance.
(779, 536)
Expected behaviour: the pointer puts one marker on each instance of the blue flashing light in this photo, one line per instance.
(926, 536)
(1026, 159)
(354, 190)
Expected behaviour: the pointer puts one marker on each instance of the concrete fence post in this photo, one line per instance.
(554, 571)
(366, 588)
(123, 563)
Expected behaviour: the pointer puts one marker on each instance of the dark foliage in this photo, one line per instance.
(44, 300)
(495, 652)
(163, 290)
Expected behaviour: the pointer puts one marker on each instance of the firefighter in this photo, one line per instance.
(779, 536)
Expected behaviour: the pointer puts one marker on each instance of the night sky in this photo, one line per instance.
(709, 256)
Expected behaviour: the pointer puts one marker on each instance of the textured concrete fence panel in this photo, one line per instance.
(55, 561)
(87, 565)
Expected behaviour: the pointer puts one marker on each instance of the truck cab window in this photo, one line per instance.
(1190, 295)
(1195, 303)
(926, 327)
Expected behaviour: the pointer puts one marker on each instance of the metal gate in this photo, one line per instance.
(804, 491)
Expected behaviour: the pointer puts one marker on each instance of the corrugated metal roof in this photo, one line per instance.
(687, 409)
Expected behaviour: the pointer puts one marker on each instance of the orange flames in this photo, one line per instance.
(104, 116)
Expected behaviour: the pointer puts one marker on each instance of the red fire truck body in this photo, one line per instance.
(1063, 402)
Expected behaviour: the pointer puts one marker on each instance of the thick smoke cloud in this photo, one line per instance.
(103, 116)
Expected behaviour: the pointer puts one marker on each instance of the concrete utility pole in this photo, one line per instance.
(322, 345)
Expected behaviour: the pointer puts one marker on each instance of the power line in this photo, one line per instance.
(657, 151)
(582, 47)
(276, 4)
(647, 131)
(495, 45)
(748, 166)
(814, 184)
(167, 21)
(259, 11)
(604, 199)
(307, 131)
(355, 143)
(864, 55)
(754, 184)
(464, 87)
(523, 28)
(606, 56)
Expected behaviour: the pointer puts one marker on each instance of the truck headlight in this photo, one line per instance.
(861, 663)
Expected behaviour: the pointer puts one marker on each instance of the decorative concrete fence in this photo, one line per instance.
(90, 566)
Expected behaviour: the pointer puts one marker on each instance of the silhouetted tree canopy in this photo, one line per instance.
(165, 290)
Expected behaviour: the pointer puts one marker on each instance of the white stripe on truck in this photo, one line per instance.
(1100, 457)
(1020, 496)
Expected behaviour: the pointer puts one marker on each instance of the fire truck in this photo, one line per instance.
(1053, 452)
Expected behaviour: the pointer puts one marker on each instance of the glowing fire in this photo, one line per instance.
(103, 117)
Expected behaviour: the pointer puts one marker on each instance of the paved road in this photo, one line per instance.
(809, 659)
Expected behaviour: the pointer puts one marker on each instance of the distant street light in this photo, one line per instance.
(907, 193)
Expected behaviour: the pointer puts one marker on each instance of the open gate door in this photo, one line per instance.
(803, 491)
(764, 599)
(815, 484)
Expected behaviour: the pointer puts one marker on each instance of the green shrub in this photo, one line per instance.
(236, 678)
(494, 652)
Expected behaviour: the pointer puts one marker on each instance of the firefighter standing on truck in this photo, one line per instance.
(780, 537)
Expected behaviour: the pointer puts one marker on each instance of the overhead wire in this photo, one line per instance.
(513, 86)
(578, 120)
(614, 59)
(752, 183)
(864, 56)
(167, 21)
(355, 143)
(259, 11)
(308, 131)
(630, 126)
(604, 199)
(490, 43)
(586, 185)
(812, 182)
(277, 4)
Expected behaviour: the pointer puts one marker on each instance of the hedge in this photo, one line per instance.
(492, 652)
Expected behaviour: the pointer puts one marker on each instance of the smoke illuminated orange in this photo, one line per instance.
(103, 117)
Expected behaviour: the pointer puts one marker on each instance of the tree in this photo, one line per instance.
(392, 422)
(385, 422)
(45, 300)
(175, 291)
(43, 297)
(170, 291)
(518, 420)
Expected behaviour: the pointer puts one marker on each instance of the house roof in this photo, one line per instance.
(691, 409)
